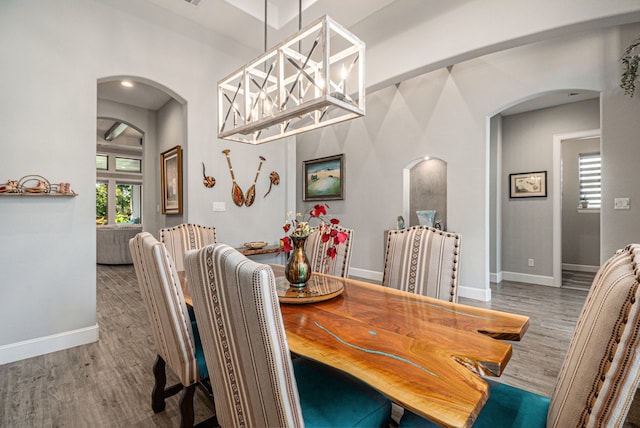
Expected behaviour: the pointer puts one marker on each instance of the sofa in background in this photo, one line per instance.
(112, 243)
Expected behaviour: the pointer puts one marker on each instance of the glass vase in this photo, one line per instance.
(298, 269)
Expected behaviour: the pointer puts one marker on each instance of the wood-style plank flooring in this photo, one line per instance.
(108, 383)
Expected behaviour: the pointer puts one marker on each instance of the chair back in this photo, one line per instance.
(316, 251)
(185, 237)
(423, 260)
(243, 339)
(167, 310)
(601, 371)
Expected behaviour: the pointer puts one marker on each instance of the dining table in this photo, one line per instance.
(425, 354)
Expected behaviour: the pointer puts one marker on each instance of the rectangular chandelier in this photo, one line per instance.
(313, 79)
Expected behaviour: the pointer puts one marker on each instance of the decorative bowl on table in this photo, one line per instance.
(255, 245)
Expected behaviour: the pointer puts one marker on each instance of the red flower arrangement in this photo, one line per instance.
(300, 228)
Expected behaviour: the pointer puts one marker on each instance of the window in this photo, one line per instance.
(590, 179)
(128, 202)
(101, 202)
(128, 165)
(102, 162)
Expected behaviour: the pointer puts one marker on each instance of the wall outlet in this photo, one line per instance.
(219, 206)
(531, 262)
(621, 204)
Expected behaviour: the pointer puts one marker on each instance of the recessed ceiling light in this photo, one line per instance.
(126, 84)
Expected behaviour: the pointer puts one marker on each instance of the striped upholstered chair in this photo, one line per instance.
(176, 337)
(185, 237)
(244, 341)
(316, 251)
(423, 260)
(601, 371)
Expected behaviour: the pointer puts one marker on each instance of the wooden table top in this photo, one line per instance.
(425, 354)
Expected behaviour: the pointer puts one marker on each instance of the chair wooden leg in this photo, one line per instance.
(157, 395)
(186, 407)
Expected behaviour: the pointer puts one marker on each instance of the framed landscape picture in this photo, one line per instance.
(171, 179)
(528, 185)
(323, 179)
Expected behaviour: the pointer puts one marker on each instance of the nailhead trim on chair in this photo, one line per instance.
(402, 264)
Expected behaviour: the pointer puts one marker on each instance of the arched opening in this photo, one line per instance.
(425, 191)
(137, 120)
(525, 240)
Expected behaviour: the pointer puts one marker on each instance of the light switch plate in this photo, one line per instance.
(621, 203)
(219, 206)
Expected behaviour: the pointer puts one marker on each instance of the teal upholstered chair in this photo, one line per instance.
(184, 237)
(256, 383)
(176, 336)
(316, 251)
(601, 371)
(423, 260)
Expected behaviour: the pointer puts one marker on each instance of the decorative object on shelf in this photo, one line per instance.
(323, 179)
(34, 184)
(62, 188)
(400, 222)
(313, 79)
(11, 186)
(630, 61)
(274, 178)
(255, 245)
(298, 269)
(236, 192)
(207, 180)
(171, 180)
(426, 217)
(251, 193)
(528, 185)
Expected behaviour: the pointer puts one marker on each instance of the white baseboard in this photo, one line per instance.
(44, 345)
(495, 277)
(475, 293)
(531, 279)
(580, 268)
(366, 274)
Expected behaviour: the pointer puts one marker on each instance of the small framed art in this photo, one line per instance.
(528, 185)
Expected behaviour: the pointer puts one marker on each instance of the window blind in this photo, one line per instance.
(590, 179)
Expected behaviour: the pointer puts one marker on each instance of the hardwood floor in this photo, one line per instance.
(108, 383)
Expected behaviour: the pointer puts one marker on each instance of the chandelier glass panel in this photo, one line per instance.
(313, 79)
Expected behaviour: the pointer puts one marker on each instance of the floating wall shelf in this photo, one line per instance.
(52, 195)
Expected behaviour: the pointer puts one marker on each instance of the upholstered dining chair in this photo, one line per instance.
(184, 237)
(244, 342)
(316, 251)
(176, 336)
(423, 260)
(601, 371)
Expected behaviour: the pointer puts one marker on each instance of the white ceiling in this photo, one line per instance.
(243, 21)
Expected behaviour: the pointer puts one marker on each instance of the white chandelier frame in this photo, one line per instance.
(283, 91)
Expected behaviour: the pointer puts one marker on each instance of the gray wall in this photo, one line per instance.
(580, 229)
(527, 143)
(446, 114)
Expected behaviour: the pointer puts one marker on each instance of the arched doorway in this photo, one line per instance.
(159, 114)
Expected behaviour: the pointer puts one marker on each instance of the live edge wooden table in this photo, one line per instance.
(425, 354)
